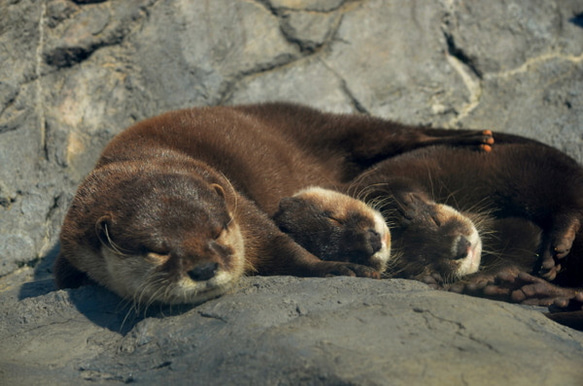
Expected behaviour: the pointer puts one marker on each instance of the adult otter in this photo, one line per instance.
(524, 196)
(177, 207)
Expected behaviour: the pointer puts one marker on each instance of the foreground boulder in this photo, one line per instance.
(285, 330)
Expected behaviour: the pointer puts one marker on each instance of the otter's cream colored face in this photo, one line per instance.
(468, 241)
(344, 210)
(169, 279)
(435, 240)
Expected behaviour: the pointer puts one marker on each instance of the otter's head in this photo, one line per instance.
(334, 226)
(432, 239)
(155, 234)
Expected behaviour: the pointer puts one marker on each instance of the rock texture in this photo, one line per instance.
(75, 73)
(287, 330)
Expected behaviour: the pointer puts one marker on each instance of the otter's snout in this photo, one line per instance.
(203, 271)
(462, 247)
(374, 240)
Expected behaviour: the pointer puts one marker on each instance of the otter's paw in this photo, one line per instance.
(433, 280)
(557, 245)
(533, 290)
(334, 268)
(481, 140)
(497, 285)
(487, 141)
(474, 285)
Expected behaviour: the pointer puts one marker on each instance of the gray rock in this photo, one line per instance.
(501, 36)
(75, 73)
(313, 83)
(285, 330)
(306, 5)
(309, 30)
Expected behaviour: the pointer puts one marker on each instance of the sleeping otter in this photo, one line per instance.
(336, 227)
(524, 197)
(178, 206)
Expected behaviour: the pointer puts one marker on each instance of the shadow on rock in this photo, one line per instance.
(577, 20)
(43, 282)
(105, 309)
(99, 305)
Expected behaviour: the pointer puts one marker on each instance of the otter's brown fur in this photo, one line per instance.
(177, 207)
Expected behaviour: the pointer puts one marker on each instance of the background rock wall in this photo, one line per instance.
(75, 73)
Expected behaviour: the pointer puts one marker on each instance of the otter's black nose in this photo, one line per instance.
(374, 239)
(203, 271)
(462, 248)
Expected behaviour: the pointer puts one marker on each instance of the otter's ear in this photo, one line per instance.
(103, 228)
(291, 204)
(410, 204)
(219, 189)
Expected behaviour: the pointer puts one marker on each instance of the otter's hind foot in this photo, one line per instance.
(483, 139)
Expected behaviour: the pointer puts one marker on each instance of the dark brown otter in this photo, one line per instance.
(524, 197)
(336, 227)
(178, 206)
(519, 178)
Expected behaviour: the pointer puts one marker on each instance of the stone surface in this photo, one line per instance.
(286, 330)
(75, 73)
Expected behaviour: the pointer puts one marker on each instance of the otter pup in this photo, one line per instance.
(336, 227)
(178, 206)
(518, 178)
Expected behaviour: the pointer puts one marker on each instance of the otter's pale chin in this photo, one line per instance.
(471, 263)
(144, 284)
(382, 257)
(187, 291)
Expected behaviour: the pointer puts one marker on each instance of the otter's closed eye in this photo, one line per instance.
(221, 230)
(157, 251)
(156, 258)
(331, 217)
